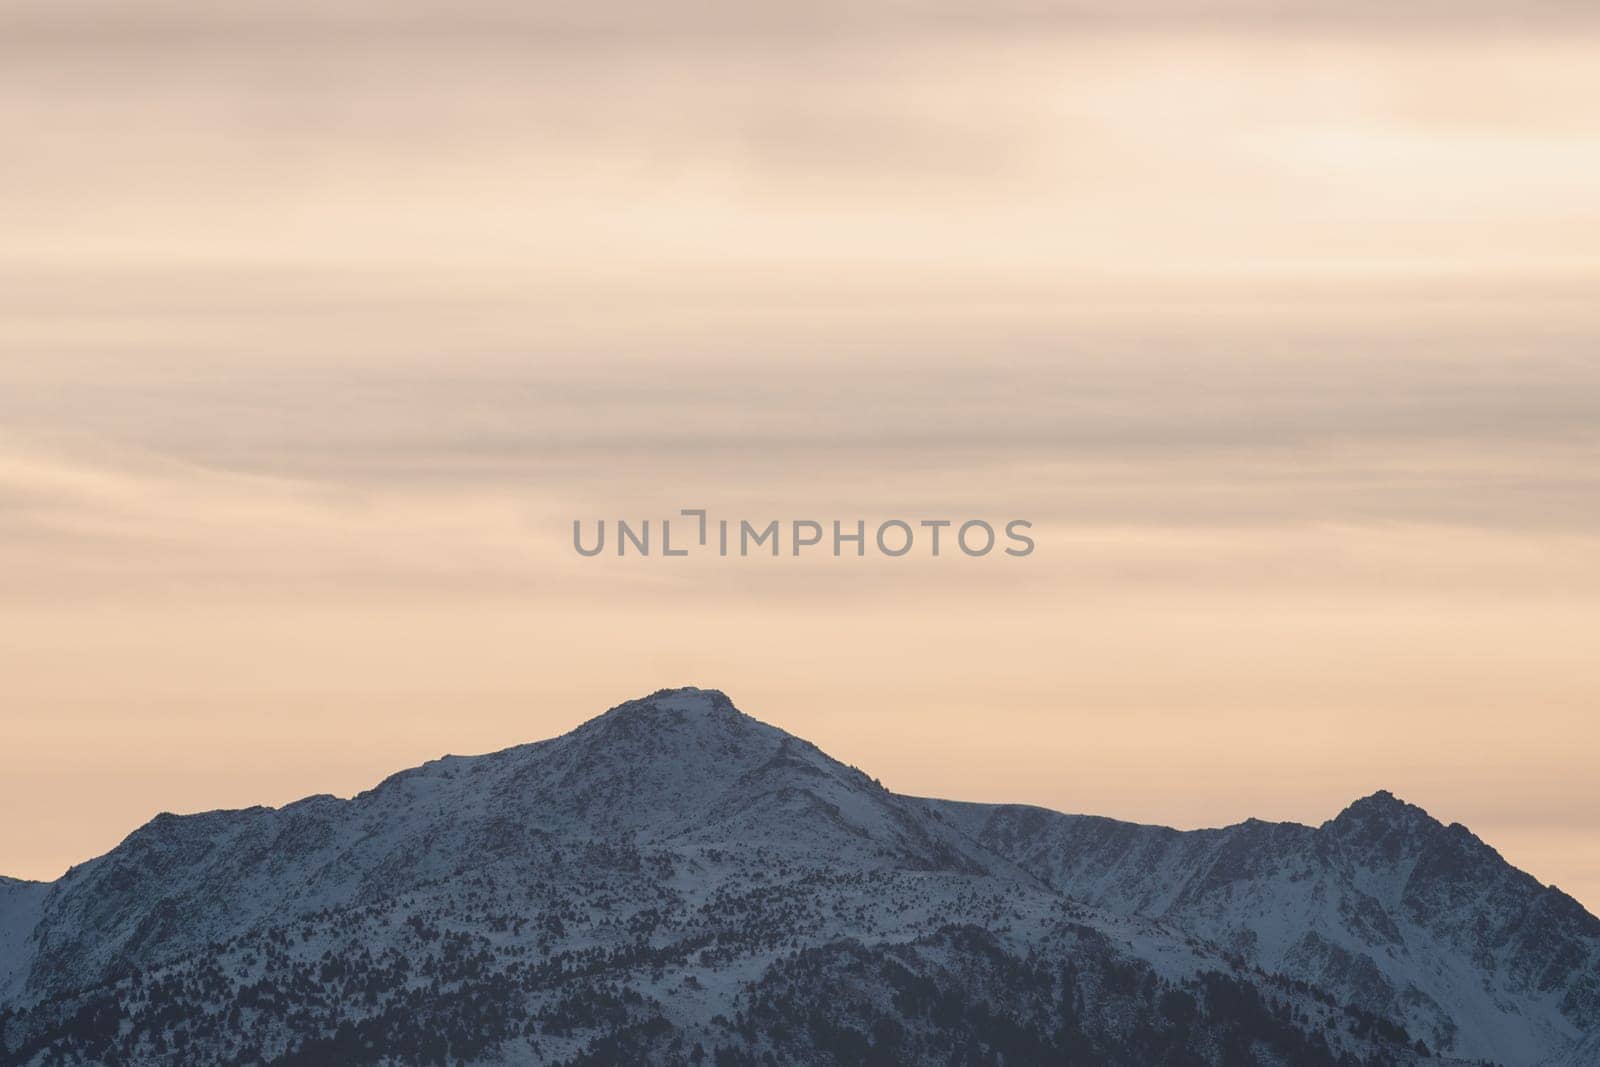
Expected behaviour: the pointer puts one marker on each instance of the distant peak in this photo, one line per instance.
(684, 698)
(692, 694)
(1380, 802)
(1383, 809)
(1382, 799)
(671, 709)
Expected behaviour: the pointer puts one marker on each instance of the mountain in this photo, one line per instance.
(1410, 919)
(676, 882)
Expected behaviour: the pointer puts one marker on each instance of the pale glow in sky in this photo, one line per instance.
(318, 328)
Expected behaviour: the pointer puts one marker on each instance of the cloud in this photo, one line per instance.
(322, 321)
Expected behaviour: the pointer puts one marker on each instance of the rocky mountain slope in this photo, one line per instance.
(1404, 916)
(676, 882)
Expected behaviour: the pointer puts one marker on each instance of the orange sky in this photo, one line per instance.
(320, 325)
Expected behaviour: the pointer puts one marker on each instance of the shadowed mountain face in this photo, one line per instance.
(1409, 918)
(676, 882)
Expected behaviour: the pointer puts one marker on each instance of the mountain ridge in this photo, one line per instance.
(665, 815)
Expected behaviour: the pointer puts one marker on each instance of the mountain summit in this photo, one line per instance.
(677, 882)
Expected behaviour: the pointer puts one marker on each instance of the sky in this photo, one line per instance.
(320, 324)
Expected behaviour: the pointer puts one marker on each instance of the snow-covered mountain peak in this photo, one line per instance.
(712, 866)
(1383, 832)
(685, 700)
(1383, 809)
(675, 718)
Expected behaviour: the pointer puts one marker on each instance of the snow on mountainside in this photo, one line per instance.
(676, 882)
(1383, 905)
(20, 903)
